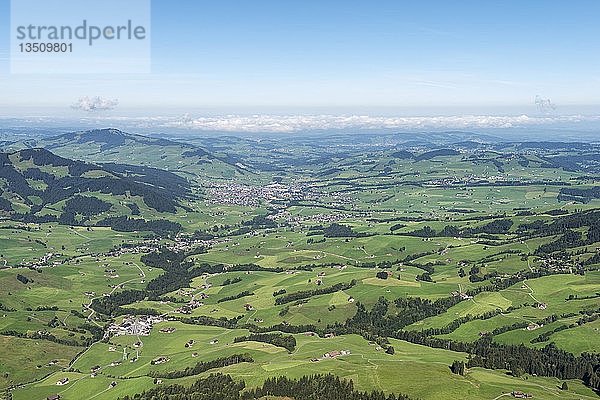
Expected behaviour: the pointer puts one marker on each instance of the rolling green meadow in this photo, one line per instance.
(386, 266)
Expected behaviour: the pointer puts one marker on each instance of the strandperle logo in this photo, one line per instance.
(85, 31)
(80, 36)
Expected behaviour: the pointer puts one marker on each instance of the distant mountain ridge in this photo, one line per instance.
(112, 145)
(110, 138)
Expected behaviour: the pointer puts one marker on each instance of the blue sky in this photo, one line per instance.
(383, 57)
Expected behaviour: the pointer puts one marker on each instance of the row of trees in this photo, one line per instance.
(204, 366)
(382, 321)
(288, 342)
(223, 387)
(499, 226)
(584, 195)
(305, 294)
(334, 230)
(161, 227)
(245, 293)
(231, 281)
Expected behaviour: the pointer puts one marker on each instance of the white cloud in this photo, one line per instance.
(93, 104)
(299, 123)
(544, 105)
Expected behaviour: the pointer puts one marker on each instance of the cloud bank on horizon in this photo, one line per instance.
(266, 123)
(301, 123)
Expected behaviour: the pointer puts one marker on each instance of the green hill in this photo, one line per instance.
(39, 186)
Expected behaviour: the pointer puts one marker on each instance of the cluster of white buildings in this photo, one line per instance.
(332, 354)
(139, 325)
